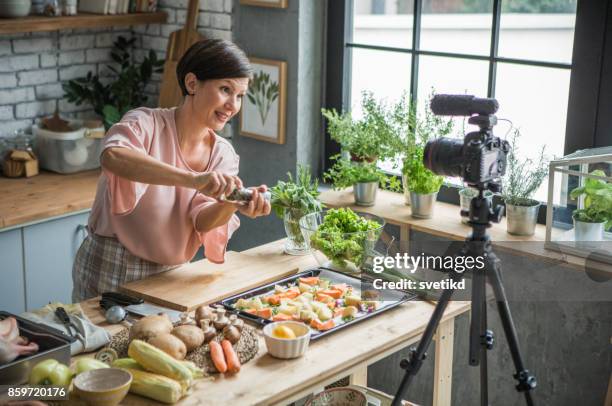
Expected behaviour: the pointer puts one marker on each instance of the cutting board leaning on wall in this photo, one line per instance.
(179, 41)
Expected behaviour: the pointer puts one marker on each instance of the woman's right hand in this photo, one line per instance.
(216, 184)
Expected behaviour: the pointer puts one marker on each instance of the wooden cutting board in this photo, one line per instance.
(179, 41)
(203, 282)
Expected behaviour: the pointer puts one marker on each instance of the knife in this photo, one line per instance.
(136, 306)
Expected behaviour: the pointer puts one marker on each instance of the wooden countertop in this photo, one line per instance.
(24, 200)
(265, 380)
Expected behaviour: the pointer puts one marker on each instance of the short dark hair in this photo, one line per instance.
(213, 59)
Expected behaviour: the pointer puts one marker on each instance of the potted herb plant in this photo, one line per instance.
(367, 139)
(596, 216)
(411, 130)
(290, 201)
(126, 89)
(422, 183)
(363, 176)
(523, 178)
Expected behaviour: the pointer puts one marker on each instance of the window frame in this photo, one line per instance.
(590, 93)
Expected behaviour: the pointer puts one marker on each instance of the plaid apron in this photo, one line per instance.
(102, 264)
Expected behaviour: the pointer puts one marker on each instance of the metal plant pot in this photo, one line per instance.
(365, 193)
(406, 191)
(422, 205)
(522, 219)
(465, 198)
(584, 231)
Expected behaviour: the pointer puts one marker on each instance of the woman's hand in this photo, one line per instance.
(216, 184)
(257, 206)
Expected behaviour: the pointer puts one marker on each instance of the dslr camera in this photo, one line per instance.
(480, 158)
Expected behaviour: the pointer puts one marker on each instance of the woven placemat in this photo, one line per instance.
(246, 348)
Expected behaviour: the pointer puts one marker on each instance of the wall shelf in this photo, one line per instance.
(82, 20)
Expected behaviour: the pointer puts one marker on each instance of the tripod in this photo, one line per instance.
(477, 244)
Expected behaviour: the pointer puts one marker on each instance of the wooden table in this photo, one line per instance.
(268, 381)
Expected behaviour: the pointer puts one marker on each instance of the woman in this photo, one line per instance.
(165, 173)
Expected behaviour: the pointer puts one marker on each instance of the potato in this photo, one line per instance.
(151, 326)
(325, 313)
(170, 345)
(307, 315)
(192, 336)
(349, 312)
(352, 300)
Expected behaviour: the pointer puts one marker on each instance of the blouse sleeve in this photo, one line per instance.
(134, 131)
(215, 240)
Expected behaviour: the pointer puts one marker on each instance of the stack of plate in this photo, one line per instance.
(15, 8)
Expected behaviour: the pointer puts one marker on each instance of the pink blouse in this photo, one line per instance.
(154, 222)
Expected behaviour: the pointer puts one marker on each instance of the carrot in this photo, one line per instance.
(316, 324)
(266, 313)
(311, 280)
(322, 297)
(341, 287)
(338, 311)
(233, 363)
(281, 317)
(273, 300)
(216, 353)
(335, 293)
(251, 311)
(290, 294)
(331, 305)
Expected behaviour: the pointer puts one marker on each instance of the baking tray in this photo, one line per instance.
(52, 343)
(391, 298)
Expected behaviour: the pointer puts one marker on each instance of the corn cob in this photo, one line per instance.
(127, 363)
(157, 361)
(155, 386)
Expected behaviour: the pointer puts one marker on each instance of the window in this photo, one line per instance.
(518, 51)
(529, 58)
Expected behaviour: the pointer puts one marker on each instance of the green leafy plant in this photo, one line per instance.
(523, 176)
(597, 200)
(126, 88)
(344, 236)
(420, 179)
(367, 139)
(345, 173)
(262, 93)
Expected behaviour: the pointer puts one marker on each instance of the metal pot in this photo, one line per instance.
(365, 193)
(422, 205)
(465, 198)
(584, 231)
(522, 219)
(406, 191)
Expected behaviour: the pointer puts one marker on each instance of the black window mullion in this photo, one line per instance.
(416, 45)
(494, 48)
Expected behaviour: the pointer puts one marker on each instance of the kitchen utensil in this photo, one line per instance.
(64, 317)
(390, 298)
(287, 348)
(179, 41)
(102, 387)
(52, 344)
(136, 306)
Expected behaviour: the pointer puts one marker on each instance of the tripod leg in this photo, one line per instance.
(416, 357)
(526, 381)
(484, 373)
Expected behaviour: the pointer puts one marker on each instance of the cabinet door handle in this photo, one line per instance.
(82, 228)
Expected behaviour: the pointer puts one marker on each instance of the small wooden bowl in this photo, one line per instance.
(103, 387)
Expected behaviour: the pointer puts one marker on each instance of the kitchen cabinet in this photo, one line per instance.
(12, 290)
(49, 251)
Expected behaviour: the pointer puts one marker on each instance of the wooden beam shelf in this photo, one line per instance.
(82, 20)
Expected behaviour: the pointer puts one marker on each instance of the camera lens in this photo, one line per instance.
(444, 156)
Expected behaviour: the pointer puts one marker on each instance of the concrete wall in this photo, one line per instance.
(293, 35)
(563, 321)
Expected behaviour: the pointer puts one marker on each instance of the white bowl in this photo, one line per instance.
(287, 348)
(15, 8)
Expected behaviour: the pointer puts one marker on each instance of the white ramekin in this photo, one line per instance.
(287, 348)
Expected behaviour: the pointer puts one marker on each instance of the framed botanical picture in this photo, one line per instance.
(265, 3)
(263, 108)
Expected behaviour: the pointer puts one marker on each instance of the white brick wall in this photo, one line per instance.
(33, 66)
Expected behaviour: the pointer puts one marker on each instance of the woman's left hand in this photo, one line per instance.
(257, 206)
